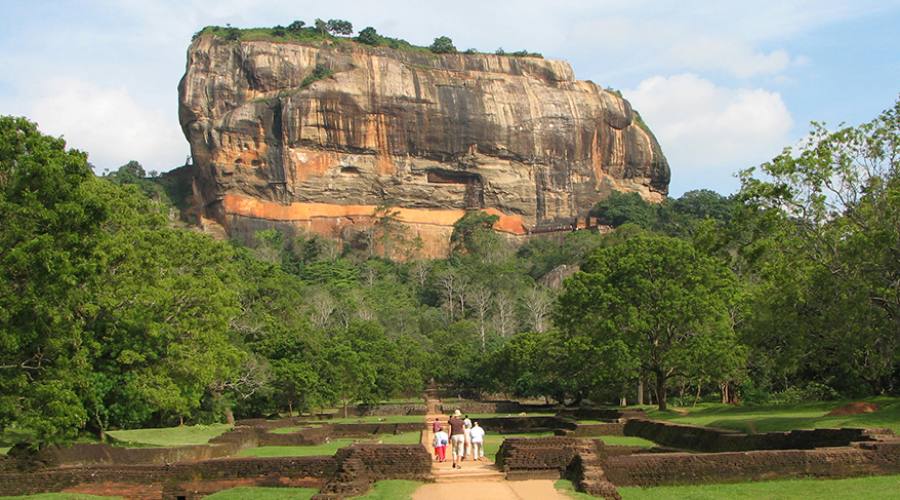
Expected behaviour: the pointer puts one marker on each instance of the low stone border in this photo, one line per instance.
(712, 440)
(696, 468)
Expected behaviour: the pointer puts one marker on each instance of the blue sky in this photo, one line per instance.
(724, 85)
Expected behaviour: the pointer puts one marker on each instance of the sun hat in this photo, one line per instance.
(457, 413)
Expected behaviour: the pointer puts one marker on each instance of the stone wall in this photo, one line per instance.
(608, 429)
(580, 460)
(360, 465)
(58, 479)
(651, 469)
(602, 414)
(708, 439)
(510, 425)
(503, 406)
(318, 435)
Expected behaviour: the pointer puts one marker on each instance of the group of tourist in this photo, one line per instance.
(466, 439)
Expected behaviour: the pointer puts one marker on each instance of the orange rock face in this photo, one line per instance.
(424, 137)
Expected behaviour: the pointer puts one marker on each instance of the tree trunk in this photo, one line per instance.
(345, 408)
(640, 392)
(229, 415)
(661, 390)
(181, 421)
(290, 408)
(623, 401)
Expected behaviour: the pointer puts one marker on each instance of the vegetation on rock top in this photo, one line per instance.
(339, 31)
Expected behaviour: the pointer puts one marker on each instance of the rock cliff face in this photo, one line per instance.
(329, 138)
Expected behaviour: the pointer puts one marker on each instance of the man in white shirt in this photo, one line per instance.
(476, 434)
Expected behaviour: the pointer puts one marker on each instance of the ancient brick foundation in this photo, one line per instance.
(711, 440)
(360, 465)
(697, 468)
(580, 460)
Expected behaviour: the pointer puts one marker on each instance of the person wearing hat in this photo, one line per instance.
(457, 439)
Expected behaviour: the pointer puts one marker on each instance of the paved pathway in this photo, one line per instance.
(475, 480)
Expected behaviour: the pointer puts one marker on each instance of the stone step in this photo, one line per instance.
(462, 476)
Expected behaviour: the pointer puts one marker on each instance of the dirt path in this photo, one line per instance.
(475, 480)
(537, 489)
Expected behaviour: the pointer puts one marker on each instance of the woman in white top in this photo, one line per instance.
(467, 426)
(476, 433)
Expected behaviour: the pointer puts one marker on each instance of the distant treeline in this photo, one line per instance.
(338, 31)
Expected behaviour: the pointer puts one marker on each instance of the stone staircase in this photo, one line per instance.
(470, 471)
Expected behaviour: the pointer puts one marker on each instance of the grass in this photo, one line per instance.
(475, 416)
(392, 489)
(882, 487)
(261, 493)
(171, 436)
(493, 441)
(566, 487)
(329, 448)
(770, 418)
(626, 441)
(4, 449)
(293, 429)
(61, 496)
(387, 419)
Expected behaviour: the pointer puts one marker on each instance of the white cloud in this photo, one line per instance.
(108, 123)
(706, 131)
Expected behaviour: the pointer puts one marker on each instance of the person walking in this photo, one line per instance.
(440, 444)
(477, 436)
(467, 426)
(457, 439)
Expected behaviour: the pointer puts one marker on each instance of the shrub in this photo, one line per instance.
(442, 45)
(296, 26)
(369, 36)
(320, 72)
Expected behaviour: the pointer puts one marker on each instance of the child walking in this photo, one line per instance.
(440, 443)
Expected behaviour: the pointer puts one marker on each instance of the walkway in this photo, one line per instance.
(475, 480)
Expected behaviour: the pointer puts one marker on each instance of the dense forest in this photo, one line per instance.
(113, 314)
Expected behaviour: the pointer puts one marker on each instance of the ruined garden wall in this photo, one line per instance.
(652, 469)
(707, 439)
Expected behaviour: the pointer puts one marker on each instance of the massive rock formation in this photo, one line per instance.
(330, 137)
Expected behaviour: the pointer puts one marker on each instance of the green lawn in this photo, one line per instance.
(293, 429)
(476, 416)
(785, 417)
(392, 489)
(171, 436)
(61, 496)
(626, 441)
(4, 449)
(493, 441)
(568, 489)
(329, 448)
(387, 419)
(260, 493)
(881, 487)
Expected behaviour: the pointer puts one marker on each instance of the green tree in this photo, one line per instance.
(369, 36)
(840, 241)
(321, 26)
(339, 27)
(620, 208)
(654, 295)
(48, 243)
(296, 26)
(442, 45)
